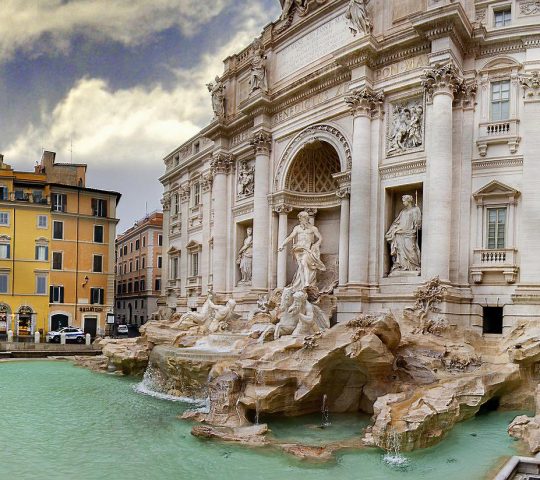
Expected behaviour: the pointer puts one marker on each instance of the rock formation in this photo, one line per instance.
(416, 376)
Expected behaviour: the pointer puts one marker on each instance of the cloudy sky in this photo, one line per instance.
(116, 84)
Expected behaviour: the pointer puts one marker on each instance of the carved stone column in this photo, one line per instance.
(344, 194)
(220, 168)
(282, 211)
(206, 188)
(166, 204)
(362, 103)
(261, 214)
(440, 83)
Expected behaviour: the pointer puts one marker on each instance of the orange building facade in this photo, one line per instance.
(56, 249)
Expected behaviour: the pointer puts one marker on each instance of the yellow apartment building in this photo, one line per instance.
(57, 249)
(83, 231)
(24, 251)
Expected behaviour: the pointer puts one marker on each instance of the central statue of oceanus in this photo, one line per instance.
(306, 240)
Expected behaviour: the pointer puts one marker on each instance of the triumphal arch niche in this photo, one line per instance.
(313, 175)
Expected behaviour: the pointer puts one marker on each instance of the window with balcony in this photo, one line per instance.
(496, 253)
(58, 230)
(37, 196)
(4, 195)
(500, 100)
(194, 264)
(20, 195)
(59, 202)
(173, 274)
(496, 227)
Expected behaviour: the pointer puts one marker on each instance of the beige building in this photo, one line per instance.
(138, 270)
(408, 130)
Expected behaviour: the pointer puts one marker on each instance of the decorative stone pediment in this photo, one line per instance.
(193, 246)
(173, 251)
(41, 240)
(504, 63)
(5, 238)
(495, 189)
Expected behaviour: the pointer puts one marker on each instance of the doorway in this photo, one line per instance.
(90, 326)
(58, 321)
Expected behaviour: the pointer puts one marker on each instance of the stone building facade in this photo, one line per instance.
(407, 129)
(138, 270)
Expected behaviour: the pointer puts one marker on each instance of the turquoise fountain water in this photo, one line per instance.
(63, 422)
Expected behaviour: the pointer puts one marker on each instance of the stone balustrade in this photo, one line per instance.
(501, 261)
(491, 133)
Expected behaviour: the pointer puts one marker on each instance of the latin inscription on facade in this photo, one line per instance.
(399, 68)
(313, 46)
(307, 104)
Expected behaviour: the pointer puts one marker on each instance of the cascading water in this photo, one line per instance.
(393, 457)
(325, 413)
(152, 385)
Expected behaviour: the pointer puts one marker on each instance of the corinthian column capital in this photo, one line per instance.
(442, 78)
(221, 163)
(261, 142)
(364, 101)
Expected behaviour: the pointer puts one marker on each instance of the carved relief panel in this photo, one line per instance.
(405, 128)
(245, 179)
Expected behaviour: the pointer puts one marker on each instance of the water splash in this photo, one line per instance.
(259, 380)
(152, 385)
(393, 456)
(325, 423)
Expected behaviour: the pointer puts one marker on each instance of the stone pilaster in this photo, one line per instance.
(363, 103)
(283, 212)
(344, 193)
(529, 240)
(206, 193)
(220, 168)
(261, 143)
(166, 204)
(440, 82)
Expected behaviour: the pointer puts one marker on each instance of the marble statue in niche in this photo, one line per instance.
(306, 240)
(403, 238)
(246, 179)
(258, 80)
(358, 18)
(245, 258)
(217, 90)
(406, 130)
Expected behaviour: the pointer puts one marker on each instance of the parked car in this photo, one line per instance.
(123, 330)
(72, 335)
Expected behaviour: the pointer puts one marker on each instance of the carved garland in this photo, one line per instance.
(529, 7)
(311, 133)
(531, 84)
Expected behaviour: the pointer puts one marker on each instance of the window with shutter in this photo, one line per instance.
(58, 230)
(98, 263)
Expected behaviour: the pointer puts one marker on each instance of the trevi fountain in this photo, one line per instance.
(351, 283)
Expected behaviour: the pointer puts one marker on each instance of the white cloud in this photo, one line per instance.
(37, 26)
(134, 125)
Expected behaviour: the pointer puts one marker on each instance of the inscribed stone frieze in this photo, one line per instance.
(312, 46)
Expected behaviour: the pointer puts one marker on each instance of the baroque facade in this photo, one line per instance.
(407, 130)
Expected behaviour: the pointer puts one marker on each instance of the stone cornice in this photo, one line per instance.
(402, 169)
(365, 102)
(497, 163)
